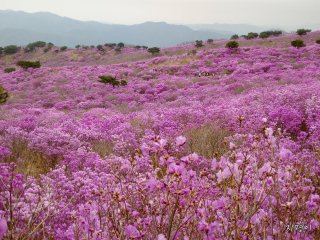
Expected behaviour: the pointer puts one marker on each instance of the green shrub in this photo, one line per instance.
(28, 64)
(234, 37)
(63, 48)
(78, 46)
(318, 41)
(269, 33)
(123, 83)
(252, 35)
(210, 41)
(137, 47)
(112, 81)
(298, 43)
(199, 43)
(303, 31)
(154, 50)
(277, 32)
(100, 47)
(1, 50)
(3, 95)
(11, 49)
(232, 45)
(32, 46)
(264, 35)
(9, 70)
(145, 47)
(107, 79)
(120, 45)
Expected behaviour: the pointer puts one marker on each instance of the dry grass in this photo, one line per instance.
(29, 161)
(103, 148)
(140, 126)
(207, 140)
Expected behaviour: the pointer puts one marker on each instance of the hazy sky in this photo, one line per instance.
(258, 12)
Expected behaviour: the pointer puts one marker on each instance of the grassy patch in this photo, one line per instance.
(29, 161)
(103, 148)
(207, 140)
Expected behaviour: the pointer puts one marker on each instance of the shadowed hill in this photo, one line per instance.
(22, 28)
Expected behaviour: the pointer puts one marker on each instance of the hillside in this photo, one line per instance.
(202, 143)
(92, 56)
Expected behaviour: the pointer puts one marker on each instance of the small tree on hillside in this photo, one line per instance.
(252, 35)
(264, 35)
(303, 31)
(232, 45)
(298, 43)
(112, 81)
(9, 70)
(32, 46)
(11, 49)
(154, 50)
(28, 64)
(210, 41)
(234, 37)
(63, 48)
(120, 45)
(100, 47)
(199, 43)
(318, 41)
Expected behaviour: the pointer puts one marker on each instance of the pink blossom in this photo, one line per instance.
(132, 232)
(3, 227)
(285, 154)
(161, 237)
(181, 140)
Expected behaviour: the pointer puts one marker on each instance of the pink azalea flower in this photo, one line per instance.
(132, 232)
(3, 227)
(223, 174)
(180, 141)
(285, 154)
(161, 237)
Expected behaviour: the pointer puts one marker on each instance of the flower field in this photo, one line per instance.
(171, 155)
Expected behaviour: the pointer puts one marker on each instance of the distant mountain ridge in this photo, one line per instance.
(240, 29)
(21, 28)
